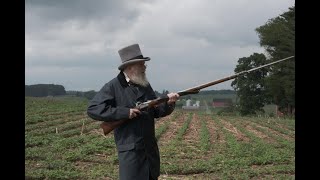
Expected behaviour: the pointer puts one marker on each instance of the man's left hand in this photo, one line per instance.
(173, 97)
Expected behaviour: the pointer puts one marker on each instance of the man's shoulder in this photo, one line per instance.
(117, 81)
(112, 82)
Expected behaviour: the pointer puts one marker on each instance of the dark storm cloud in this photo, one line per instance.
(75, 42)
(61, 10)
(111, 15)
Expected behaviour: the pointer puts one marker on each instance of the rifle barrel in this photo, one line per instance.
(196, 89)
(253, 69)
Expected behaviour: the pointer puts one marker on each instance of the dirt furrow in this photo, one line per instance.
(276, 133)
(160, 121)
(259, 134)
(237, 133)
(215, 135)
(192, 134)
(172, 129)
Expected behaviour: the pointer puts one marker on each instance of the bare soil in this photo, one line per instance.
(215, 135)
(259, 134)
(276, 133)
(239, 135)
(192, 134)
(188, 176)
(173, 127)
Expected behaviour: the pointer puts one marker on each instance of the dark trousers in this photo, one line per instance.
(151, 178)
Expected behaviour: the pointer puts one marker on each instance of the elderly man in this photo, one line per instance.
(135, 140)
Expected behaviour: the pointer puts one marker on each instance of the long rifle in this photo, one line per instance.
(111, 125)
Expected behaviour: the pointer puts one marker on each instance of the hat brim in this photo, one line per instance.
(123, 65)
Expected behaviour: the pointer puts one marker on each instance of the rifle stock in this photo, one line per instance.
(108, 126)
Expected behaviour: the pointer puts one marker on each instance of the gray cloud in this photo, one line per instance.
(60, 10)
(75, 43)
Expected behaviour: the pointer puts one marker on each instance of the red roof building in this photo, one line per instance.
(221, 102)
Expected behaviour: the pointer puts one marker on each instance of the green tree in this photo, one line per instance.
(277, 36)
(250, 87)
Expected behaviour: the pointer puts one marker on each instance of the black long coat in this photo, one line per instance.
(138, 151)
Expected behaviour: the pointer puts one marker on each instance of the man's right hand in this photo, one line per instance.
(134, 113)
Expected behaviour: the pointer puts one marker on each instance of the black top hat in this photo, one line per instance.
(131, 54)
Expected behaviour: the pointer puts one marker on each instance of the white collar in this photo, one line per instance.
(126, 76)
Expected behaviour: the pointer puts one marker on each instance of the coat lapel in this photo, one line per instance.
(137, 92)
(141, 90)
(141, 93)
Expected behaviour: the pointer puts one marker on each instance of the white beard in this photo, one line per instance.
(139, 77)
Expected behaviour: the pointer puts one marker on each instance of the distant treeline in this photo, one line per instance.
(87, 94)
(92, 93)
(42, 90)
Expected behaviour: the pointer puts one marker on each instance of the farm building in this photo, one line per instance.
(221, 102)
(189, 105)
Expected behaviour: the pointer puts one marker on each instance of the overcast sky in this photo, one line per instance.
(75, 43)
